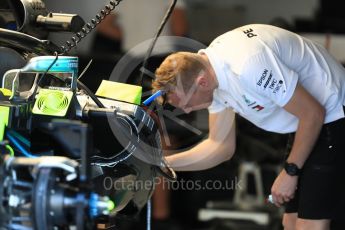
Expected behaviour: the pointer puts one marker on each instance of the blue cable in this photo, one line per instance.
(18, 146)
(153, 97)
(19, 137)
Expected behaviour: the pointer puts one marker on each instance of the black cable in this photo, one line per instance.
(86, 89)
(90, 93)
(153, 43)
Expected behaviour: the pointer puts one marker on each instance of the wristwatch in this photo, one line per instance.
(292, 169)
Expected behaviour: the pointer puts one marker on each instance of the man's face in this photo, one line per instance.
(194, 99)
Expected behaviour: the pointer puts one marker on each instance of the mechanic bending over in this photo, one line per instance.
(282, 83)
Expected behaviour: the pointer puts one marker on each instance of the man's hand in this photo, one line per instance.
(284, 187)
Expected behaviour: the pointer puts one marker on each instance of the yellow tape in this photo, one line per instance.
(120, 91)
(6, 92)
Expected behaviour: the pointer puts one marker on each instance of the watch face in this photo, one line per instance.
(291, 169)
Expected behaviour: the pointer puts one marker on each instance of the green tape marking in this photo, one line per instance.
(4, 116)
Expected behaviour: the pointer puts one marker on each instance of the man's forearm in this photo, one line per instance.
(311, 115)
(205, 155)
(306, 135)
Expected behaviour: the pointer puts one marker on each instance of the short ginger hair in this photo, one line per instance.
(182, 67)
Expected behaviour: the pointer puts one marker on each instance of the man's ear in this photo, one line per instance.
(202, 81)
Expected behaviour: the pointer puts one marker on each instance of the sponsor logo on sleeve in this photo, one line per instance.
(248, 102)
(278, 86)
(258, 108)
(262, 77)
(252, 104)
(268, 80)
(273, 84)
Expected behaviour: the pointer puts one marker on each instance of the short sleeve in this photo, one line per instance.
(267, 75)
(216, 105)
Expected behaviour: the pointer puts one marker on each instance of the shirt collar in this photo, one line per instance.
(218, 67)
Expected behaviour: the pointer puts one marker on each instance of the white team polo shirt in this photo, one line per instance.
(258, 68)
